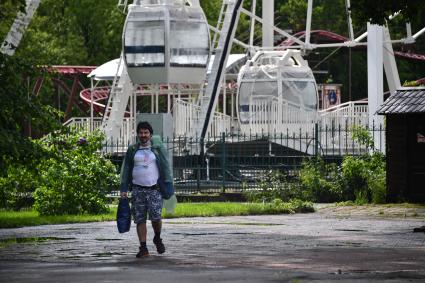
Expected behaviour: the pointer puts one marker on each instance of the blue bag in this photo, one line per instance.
(123, 215)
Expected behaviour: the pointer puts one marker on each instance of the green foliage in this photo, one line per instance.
(276, 185)
(380, 11)
(364, 178)
(321, 180)
(17, 187)
(68, 32)
(362, 136)
(21, 113)
(354, 174)
(412, 84)
(74, 177)
(358, 178)
(294, 13)
(8, 12)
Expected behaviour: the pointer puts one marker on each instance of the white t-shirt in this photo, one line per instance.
(145, 170)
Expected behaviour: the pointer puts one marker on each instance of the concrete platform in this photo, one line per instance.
(329, 245)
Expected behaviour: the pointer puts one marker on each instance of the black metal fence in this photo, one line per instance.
(234, 163)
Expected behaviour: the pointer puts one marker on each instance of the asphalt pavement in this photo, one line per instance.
(326, 246)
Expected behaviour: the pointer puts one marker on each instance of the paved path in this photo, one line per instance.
(321, 247)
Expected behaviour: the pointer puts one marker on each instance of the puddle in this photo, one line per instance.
(31, 240)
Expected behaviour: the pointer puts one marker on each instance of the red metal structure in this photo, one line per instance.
(69, 80)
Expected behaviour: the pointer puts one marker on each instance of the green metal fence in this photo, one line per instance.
(233, 163)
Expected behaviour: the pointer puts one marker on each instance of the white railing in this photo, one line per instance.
(83, 123)
(338, 121)
(186, 116)
(269, 116)
(349, 113)
(126, 135)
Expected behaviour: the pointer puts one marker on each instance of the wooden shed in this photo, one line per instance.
(405, 149)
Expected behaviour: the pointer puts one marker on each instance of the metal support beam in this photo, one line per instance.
(252, 29)
(375, 75)
(349, 21)
(276, 29)
(390, 65)
(18, 28)
(268, 23)
(71, 99)
(308, 23)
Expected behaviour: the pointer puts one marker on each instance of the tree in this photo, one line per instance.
(8, 12)
(18, 109)
(380, 11)
(68, 32)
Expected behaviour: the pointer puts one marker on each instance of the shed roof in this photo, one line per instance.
(404, 101)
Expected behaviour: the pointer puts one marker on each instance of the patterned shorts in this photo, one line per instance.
(144, 202)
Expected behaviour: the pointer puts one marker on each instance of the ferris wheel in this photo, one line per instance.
(169, 42)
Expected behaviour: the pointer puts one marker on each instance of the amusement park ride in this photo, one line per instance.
(167, 50)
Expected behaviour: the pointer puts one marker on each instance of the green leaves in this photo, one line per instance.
(321, 180)
(358, 178)
(379, 11)
(76, 178)
(21, 113)
(67, 176)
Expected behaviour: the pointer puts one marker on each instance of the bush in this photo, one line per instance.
(358, 178)
(354, 182)
(364, 176)
(321, 181)
(74, 177)
(275, 185)
(17, 187)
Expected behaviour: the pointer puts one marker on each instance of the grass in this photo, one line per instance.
(13, 219)
(233, 209)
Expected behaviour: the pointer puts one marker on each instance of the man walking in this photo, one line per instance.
(144, 164)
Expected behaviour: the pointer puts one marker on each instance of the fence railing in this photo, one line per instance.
(270, 115)
(188, 116)
(235, 163)
(266, 117)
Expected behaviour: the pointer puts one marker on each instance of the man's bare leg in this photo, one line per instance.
(157, 225)
(141, 233)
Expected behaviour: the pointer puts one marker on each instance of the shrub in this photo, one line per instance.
(363, 177)
(354, 178)
(321, 180)
(17, 187)
(74, 177)
(275, 185)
